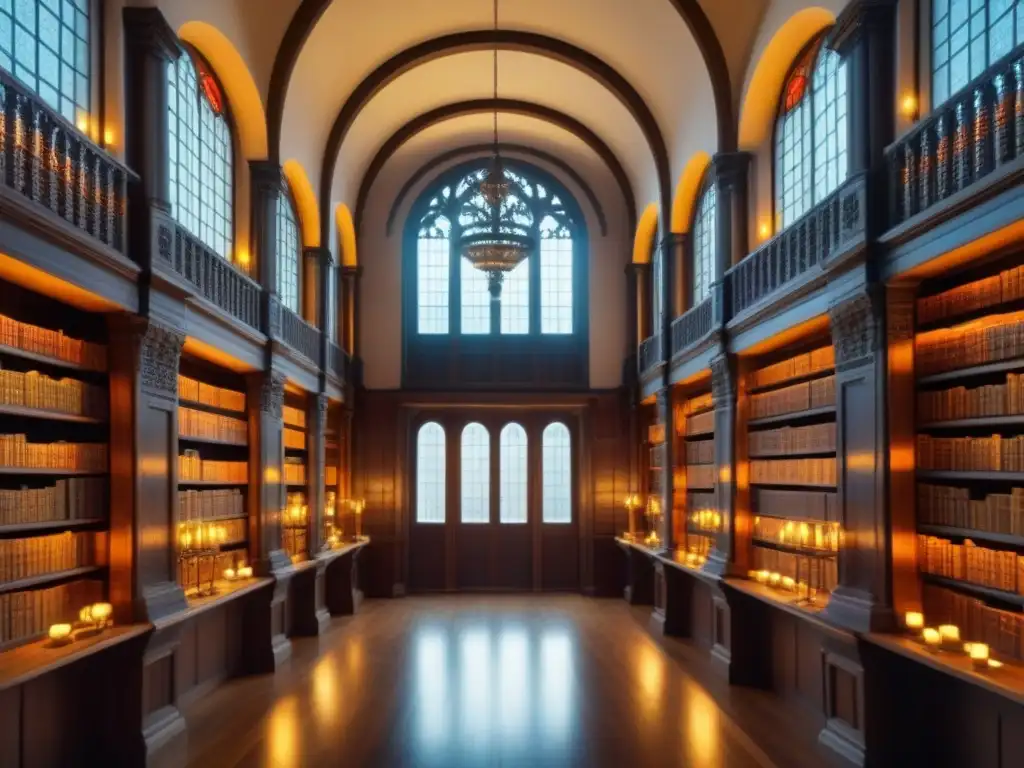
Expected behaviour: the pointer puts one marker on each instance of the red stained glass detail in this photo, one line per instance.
(212, 91)
(795, 89)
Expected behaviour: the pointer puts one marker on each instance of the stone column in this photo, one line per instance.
(666, 416)
(730, 178)
(265, 189)
(350, 304)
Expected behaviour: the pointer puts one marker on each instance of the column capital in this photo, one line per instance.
(267, 177)
(320, 253)
(147, 30)
(723, 380)
(858, 17)
(159, 353)
(272, 394)
(730, 168)
(857, 329)
(673, 240)
(350, 271)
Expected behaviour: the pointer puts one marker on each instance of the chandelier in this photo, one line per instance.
(499, 244)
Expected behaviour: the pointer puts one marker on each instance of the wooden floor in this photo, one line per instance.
(454, 681)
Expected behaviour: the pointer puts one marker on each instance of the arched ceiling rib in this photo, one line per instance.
(476, 106)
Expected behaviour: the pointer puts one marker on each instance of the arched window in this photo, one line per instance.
(538, 297)
(705, 243)
(513, 474)
(201, 156)
(430, 479)
(288, 252)
(968, 36)
(811, 134)
(47, 46)
(476, 474)
(556, 445)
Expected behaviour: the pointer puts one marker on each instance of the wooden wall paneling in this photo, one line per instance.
(10, 723)
(639, 588)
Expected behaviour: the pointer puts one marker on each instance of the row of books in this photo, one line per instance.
(73, 498)
(699, 403)
(700, 452)
(818, 574)
(212, 426)
(210, 505)
(330, 475)
(195, 571)
(700, 476)
(294, 417)
(808, 505)
(25, 616)
(820, 536)
(37, 390)
(43, 341)
(656, 434)
(294, 439)
(16, 451)
(787, 440)
(699, 545)
(701, 424)
(794, 472)
(191, 466)
(968, 562)
(207, 394)
(294, 471)
(1002, 631)
(963, 403)
(801, 365)
(793, 399)
(295, 541)
(997, 337)
(951, 506)
(1007, 286)
(25, 558)
(995, 453)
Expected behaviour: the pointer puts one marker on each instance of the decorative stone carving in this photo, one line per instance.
(159, 355)
(267, 178)
(850, 214)
(856, 329)
(272, 394)
(274, 318)
(723, 381)
(321, 403)
(164, 239)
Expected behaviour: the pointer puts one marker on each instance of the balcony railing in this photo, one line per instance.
(46, 160)
(967, 138)
(336, 361)
(650, 353)
(828, 229)
(213, 278)
(300, 335)
(693, 325)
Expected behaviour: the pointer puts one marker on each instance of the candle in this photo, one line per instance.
(979, 655)
(994, 664)
(762, 577)
(950, 636)
(932, 638)
(101, 613)
(787, 583)
(85, 615)
(229, 574)
(60, 634)
(914, 620)
(245, 572)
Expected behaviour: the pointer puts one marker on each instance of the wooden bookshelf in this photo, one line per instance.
(980, 422)
(41, 413)
(951, 532)
(695, 456)
(210, 441)
(975, 590)
(51, 526)
(52, 579)
(983, 369)
(785, 418)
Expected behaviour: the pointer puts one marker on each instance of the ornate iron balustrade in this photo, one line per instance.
(46, 160)
(970, 136)
(650, 353)
(337, 361)
(693, 325)
(831, 227)
(213, 278)
(300, 335)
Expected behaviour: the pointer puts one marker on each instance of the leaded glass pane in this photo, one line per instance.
(476, 300)
(288, 252)
(704, 244)
(430, 474)
(433, 248)
(556, 447)
(513, 469)
(515, 300)
(476, 474)
(556, 267)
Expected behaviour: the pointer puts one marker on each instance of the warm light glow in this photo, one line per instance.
(908, 106)
(245, 572)
(85, 615)
(326, 698)
(82, 122)
(950, 634)
(285, 727)
(108, 137)
(994, 664)
(101, 612)
(774, 579)
(914, 620)
(229, 574)
(60, 634)
(764, 231)
(932, 638)
(979, 655)
(788, 583)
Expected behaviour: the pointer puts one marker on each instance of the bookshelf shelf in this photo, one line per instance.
(211, 441)
(702, 487)
(48, 471)
(213, 483)
(217, 410)
(975, 370)
(965, 475)
(52, 579)
(783, 418)
(41, 413)
(794, 486)
(976, 590)
(822, 374)
(793, 550)
(947, 531)
(807, 454)
(708, 434)
(983, 421)
(46, 359)
(50, 526)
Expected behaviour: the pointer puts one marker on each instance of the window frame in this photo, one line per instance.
(507, 428)
(485, 481)
(707, 186)
(444, 473)
(573, 511)
(286, 196)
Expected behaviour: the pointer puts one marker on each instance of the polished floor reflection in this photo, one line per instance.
(473, 681)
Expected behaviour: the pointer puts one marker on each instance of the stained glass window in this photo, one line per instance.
(430, 477)
(288, 252)
(46, 45)
(811, 135)
(201, 156)
(556, 446)
(476, 474)
(704, 244)
(968, 36)
(513, 474)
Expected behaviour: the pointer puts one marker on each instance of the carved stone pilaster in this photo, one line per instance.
(857, 333)
(730, 170)
(723, 381)
(159, 355)
(272, 395)
(666, 416)
(266, 184)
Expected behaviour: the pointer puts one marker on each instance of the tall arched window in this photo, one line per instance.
(47, 46)
(430, 478)
(968, 36)
(539, 297)
(513, 474)
(705, 241)
(289, 254)
(811, 134)
(556, 446)
(201, 156)
(476, 474)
